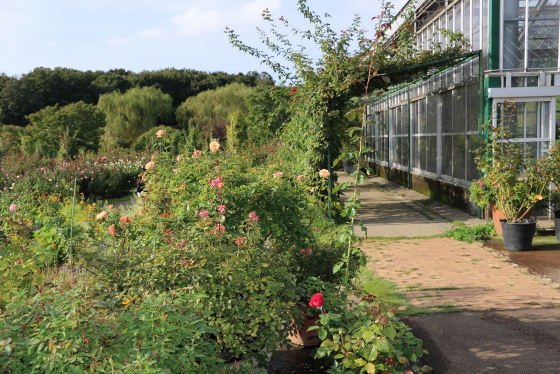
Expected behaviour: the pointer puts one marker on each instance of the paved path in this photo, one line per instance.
(390, 210)
(444, 272)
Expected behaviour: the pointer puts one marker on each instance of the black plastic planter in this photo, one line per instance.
(519, 236)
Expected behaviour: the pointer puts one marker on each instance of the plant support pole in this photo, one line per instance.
(330, 181)
(72, 222)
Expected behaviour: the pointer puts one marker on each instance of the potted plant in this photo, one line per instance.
(514, 182)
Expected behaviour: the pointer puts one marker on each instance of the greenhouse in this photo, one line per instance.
(424, 133)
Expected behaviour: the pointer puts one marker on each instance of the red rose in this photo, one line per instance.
(294, 89)
(317, 300)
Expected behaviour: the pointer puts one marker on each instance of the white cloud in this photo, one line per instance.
(199, 20)
(120, 41)
(154, 33)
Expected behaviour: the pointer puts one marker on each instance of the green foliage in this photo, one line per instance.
(471, 234)
(174, 141)
(513, 177)
(367, 338)
(268, 112)
(132, 113)
(65, 131)
(11, 137)
(77, 327)
(210, 111)
(43, 87)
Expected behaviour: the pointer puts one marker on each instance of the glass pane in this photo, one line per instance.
(514, 34)
(422, 153)
(447, 106)
(422, 116)
(431, 154)
(447, 160)
(472, 172)
(472, 105)
(459, 125)
(542, 45)
(459, 148)
(467, 18)
(531, 120)
(431, 115)
(458, 17)
(545, 120)
(476, 25)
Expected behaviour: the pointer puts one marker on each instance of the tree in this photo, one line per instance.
(268, 111)
(64, 131)
(350, 68)
(131, 114)
(209, 112)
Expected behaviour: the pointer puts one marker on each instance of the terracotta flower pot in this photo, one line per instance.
(304, 337)
(497, 215)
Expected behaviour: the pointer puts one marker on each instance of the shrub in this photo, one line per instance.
(78, 327)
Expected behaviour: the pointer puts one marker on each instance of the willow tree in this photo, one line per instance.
(131, 114)
(209, 113)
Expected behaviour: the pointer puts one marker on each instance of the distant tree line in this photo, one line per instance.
(44, 87)
(64, 112)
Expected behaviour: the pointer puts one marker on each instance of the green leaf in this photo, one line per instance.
(7, 350)
(336, 268)
(370, 368)
(382, 345)
(426, 368)
(368, 336)
(360, 362)
(371, 353)
(322, 333)
(363, 261)
(390, 332)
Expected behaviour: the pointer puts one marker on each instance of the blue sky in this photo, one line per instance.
(148, 34)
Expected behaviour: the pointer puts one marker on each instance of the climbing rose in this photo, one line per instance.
(300, 177)
(317, 300)
(203, 213)
(125, 219)
(253, 216)
(13, 207)
(240, 242)
(112, 230)
(216, 183)
(214, 146)
(294, 89)
(324, 173)
(101, 215)
(278, 174)
(160, 133)
(19, 262)
(150, 165)
(219, 229)
(197, 154)
(221, 208)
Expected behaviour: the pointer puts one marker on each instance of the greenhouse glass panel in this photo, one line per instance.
(514, 34)
(542, 45)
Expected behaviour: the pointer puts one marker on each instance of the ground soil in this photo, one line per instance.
(541, 260)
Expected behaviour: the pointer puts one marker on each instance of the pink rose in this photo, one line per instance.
(203, 213)
(240, 242)
(214, 146)
(253, 216)
(150, 165)
(278, 174)
(13, 207)
(300, 177)
(101, 215)
(160, 133)
(112, 230)
(221, 208)
(324, 173)
(197, 154)
(125, 219)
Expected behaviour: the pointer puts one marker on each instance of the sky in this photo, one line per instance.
(142, 35)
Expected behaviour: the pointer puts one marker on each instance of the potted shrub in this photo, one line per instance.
(514, 182)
